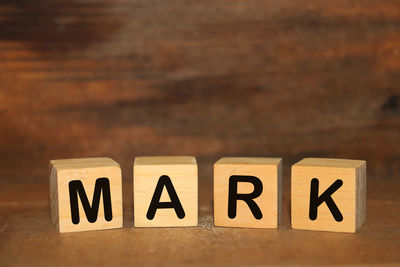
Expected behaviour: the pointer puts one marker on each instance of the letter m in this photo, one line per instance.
(91, 211)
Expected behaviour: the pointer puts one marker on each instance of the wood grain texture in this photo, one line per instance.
(87, 171)
(266, 170)
(182, 173)
(349, 197)
(127, 78)
(122, 78)
(24, 217)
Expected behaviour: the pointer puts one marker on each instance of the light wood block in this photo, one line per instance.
(73, 179)
(349, 195)
(268, 172)
(153, 172)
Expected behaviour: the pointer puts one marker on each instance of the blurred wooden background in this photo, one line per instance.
(122, 78)
(126, 78)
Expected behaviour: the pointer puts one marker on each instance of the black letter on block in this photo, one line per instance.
(155, 201)
(315, 201)
(233, 196)
(91, 211)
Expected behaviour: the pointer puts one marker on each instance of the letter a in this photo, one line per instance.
(155, 201)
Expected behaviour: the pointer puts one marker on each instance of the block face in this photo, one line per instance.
(268, 171)
(85, 172)
(348, 197)
(182, 173)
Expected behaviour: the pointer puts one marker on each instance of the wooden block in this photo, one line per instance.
(247, 192)
(165, 191)
(85, 194)
(328, 194)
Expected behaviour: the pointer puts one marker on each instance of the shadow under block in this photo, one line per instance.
(347, 182)
(228, 171)
(177, 183)
(85, 177)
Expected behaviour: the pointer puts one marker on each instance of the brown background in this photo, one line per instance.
(204, 78)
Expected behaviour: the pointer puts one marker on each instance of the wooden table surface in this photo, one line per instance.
(212, 78)
(27, 236)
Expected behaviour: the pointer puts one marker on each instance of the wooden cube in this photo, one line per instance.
(247, 192)
(328, 194)
(165, 191)
(85, 194)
